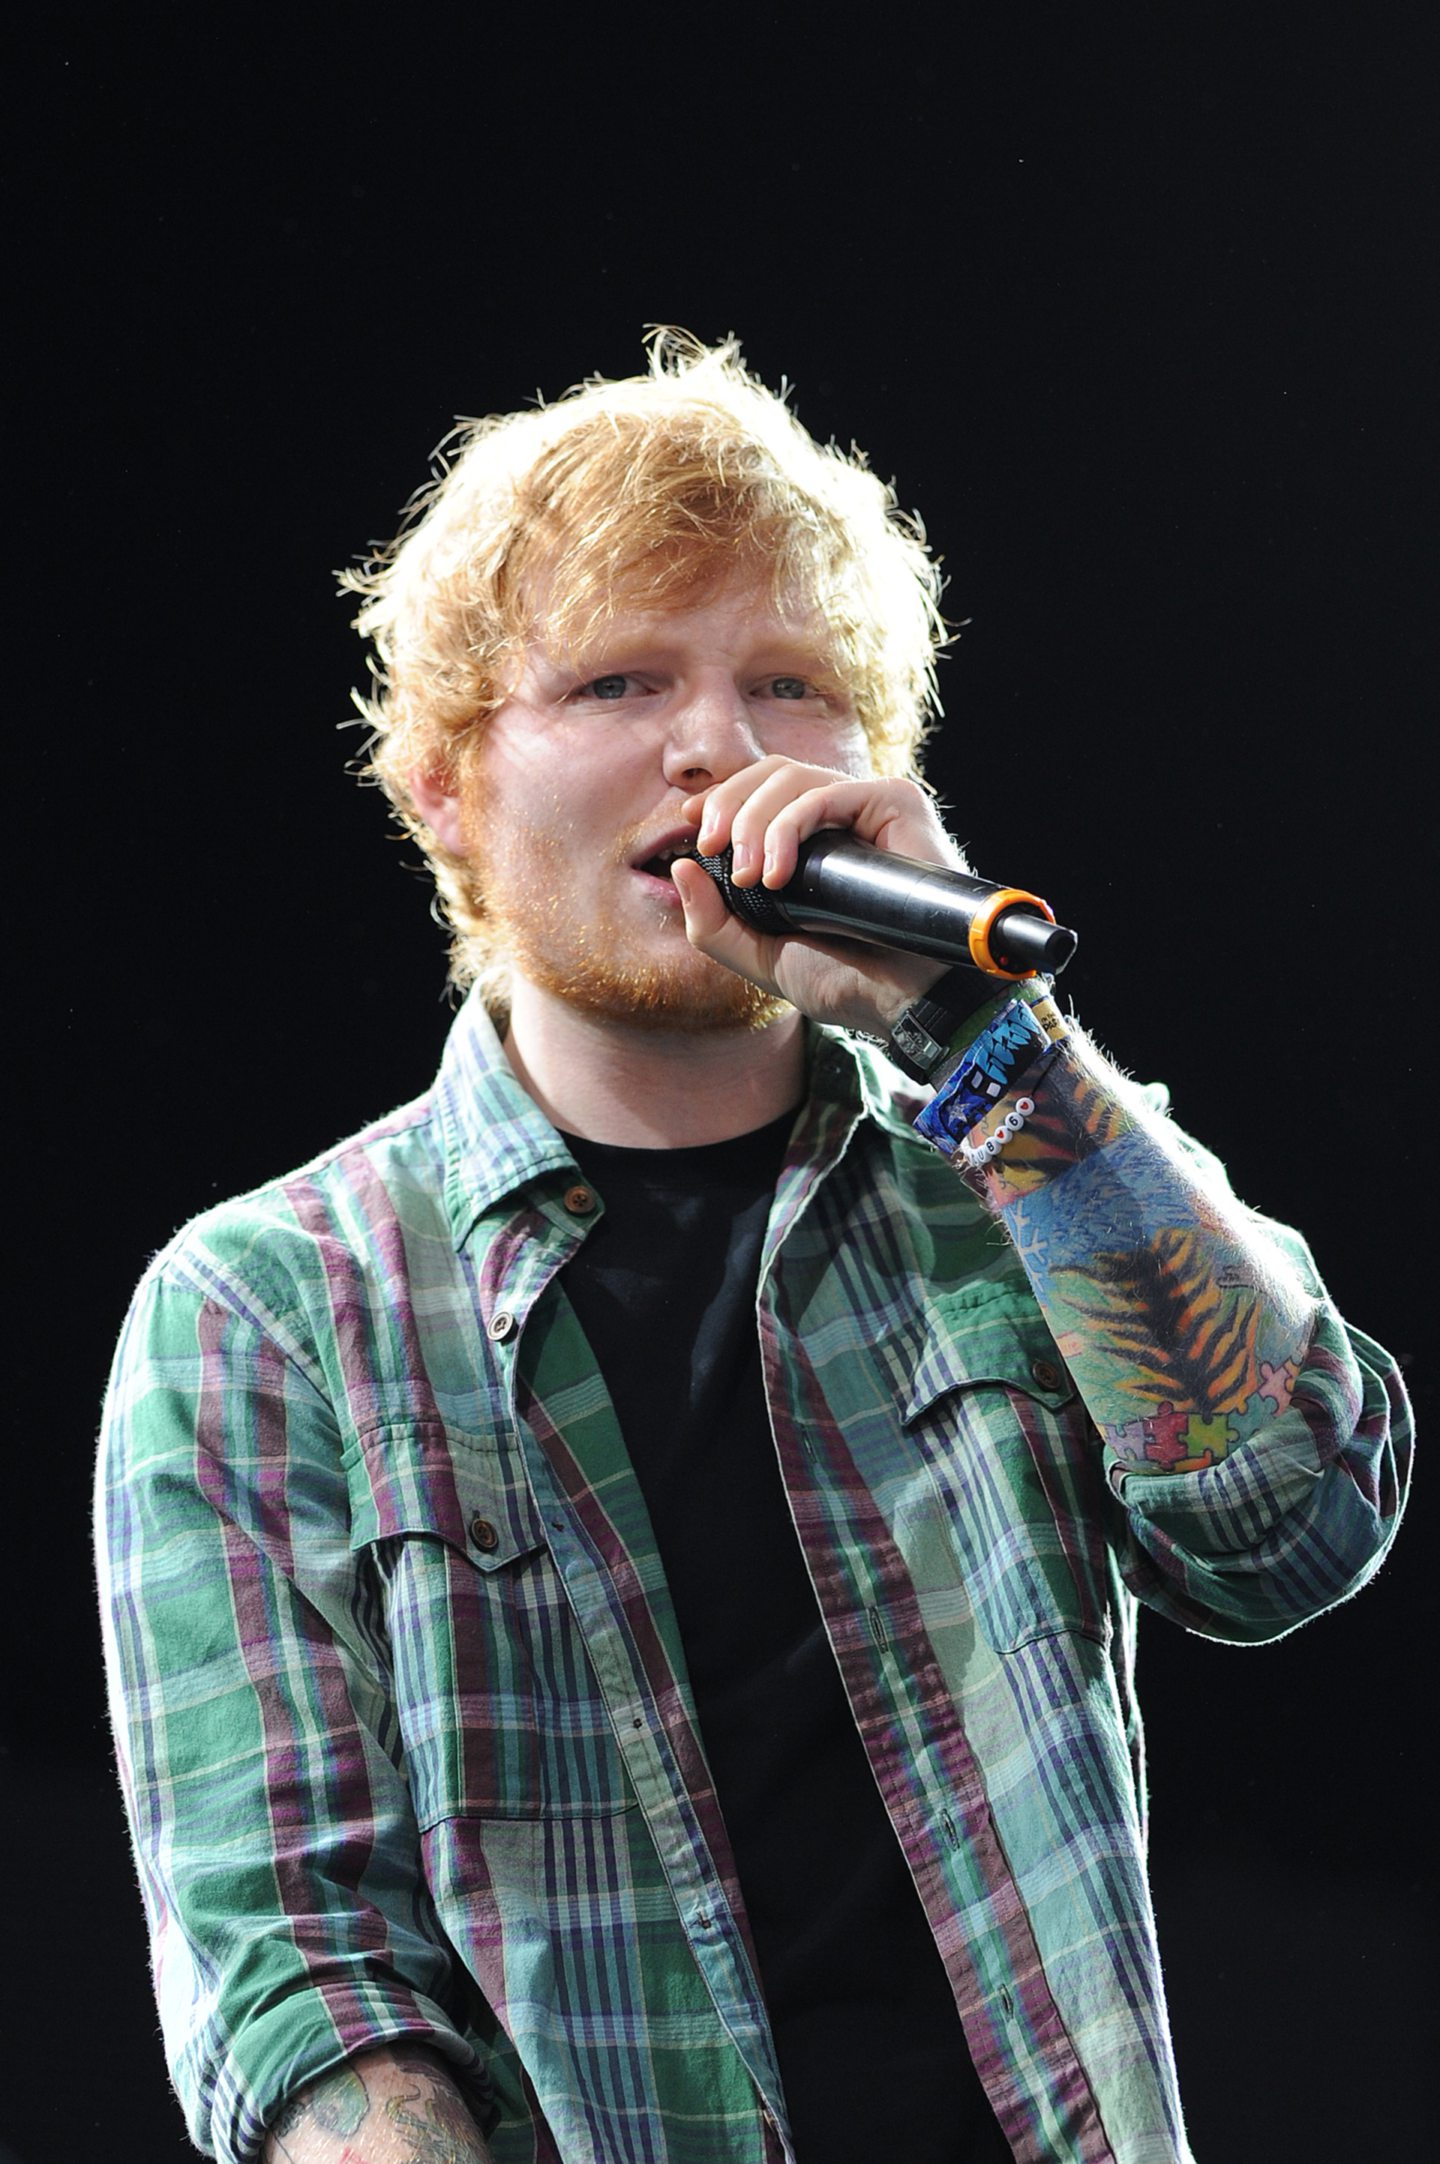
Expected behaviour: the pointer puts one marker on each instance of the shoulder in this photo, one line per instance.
(346, 1205)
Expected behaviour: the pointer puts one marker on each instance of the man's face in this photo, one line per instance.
(570, 808)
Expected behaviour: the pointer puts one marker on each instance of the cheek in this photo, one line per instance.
(517, 788)
(847, 750)
(842, 746)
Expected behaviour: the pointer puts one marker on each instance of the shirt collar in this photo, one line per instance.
(497, 1142)
(495, 1138)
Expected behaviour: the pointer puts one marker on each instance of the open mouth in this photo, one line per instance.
(658, 865)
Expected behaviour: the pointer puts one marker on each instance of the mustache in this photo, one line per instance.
(643, 836)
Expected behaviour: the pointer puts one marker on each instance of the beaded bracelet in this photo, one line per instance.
(1008, 1050)
(975, 1154)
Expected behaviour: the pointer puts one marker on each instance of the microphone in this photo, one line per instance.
(849, 889)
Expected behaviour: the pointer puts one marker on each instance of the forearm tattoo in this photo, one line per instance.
(1183, 1329)
(393, 2106)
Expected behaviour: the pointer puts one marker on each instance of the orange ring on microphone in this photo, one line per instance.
(982, 924)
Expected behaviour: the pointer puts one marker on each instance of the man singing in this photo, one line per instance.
(620, 1580)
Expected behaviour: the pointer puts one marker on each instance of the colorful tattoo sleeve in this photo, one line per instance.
(1183, 1328)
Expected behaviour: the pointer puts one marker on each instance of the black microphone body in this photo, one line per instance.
(849, 889)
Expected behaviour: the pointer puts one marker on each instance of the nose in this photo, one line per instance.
(711, 736)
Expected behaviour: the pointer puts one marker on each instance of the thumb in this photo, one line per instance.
(705, 911)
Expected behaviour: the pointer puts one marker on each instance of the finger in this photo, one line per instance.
(776, 817)
(774, 822)
(741, 813)
(766, 810)
(716, 808)
(781, 814)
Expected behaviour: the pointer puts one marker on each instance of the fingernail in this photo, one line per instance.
(742, 856)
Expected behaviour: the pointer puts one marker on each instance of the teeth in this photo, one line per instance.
(659, 861)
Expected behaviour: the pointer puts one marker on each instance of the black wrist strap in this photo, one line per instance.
(922, 1037)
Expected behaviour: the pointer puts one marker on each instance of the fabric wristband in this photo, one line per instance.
(1008, 1050)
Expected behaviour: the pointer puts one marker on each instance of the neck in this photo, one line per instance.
(648, 1088)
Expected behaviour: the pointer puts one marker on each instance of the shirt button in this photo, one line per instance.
(1045, 1375)
(579, 1201)
(485, 1536)
(502, 1325)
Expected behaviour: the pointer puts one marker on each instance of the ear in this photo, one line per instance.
(435, 795)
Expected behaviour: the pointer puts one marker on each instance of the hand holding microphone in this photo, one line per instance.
(860, 867)
(846, 888)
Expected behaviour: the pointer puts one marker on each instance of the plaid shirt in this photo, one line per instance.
(401, 1707)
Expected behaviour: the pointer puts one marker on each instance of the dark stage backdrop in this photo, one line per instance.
(1137, 314)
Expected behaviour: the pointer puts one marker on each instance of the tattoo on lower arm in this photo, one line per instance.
(1183, 1331)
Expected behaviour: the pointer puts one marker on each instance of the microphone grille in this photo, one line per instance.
(754, 906)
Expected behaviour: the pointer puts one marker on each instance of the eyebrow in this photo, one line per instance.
(779, 652)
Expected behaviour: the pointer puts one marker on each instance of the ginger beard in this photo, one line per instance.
(629, 963)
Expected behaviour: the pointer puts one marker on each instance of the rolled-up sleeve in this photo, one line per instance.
(277, 1850)
(1296, 1518)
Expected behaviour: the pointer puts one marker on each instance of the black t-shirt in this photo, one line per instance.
(871, 2051)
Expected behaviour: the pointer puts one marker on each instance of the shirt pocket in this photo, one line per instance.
(1016, 1468)
(499, 1708)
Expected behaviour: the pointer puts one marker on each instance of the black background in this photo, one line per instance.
(1139, 312)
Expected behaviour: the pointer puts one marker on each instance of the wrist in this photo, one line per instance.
(990, 1071)
(930, 1030)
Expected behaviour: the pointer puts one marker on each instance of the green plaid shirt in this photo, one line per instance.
(402, 1712)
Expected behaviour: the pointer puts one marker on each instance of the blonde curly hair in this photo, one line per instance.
(638, 494)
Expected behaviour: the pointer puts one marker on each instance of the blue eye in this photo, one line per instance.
(789, 687)
(607, 687)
